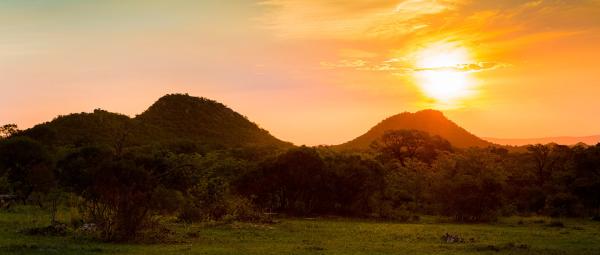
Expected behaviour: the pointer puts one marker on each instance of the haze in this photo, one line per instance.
(311, 72)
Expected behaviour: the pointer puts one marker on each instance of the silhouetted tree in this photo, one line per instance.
(405, 189)
(121, 191)
(586, 183)
(27, 165)
(403, 144)
(356, 182)
(293, 182)
(8, 130)
(469, 185)
(544, 161)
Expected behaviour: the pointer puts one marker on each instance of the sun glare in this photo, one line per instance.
(439, 75)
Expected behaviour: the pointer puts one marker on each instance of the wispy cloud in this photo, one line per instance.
(345, 63)
(294, 19)
(396, 66)
(361, 65)
(384, 26)
(471, 67)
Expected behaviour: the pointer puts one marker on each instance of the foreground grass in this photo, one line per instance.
(321, 236)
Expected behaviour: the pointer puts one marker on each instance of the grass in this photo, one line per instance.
(513, 235)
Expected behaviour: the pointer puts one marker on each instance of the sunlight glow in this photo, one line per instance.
(439, 75)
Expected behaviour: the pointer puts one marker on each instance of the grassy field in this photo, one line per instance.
(320, 236)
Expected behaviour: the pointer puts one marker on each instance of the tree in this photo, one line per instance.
(357, 184)
(121, 191)
(27, 165)
(468, 186)
(587, 177)
(294, 182)
(405, 189)
(404, 144)
(8, 130)
(522, 190)
(544, 161)
(211, 195)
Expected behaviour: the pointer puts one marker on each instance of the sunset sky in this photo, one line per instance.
(310, 72)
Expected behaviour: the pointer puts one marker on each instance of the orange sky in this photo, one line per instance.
(311, 72)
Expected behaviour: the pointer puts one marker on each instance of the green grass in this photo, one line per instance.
(321, 236)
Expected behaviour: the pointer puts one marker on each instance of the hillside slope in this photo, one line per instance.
(431, 121)
(203, 120)
(172, 118)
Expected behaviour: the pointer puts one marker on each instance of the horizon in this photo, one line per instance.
(510, 70)
(564, 140)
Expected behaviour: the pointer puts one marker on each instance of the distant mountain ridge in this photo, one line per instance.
(430, 121)
(563, 140)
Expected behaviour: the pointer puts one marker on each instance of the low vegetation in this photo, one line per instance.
(514, 235)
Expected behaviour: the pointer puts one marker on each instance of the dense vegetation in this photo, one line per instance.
(179, 159)
(173, 119)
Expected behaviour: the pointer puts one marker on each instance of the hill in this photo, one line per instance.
(179, 116)
(80, 129)
(431, 121)
(172, 118)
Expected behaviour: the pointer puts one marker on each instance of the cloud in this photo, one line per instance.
(412, 21)
(360, 65)
(382, 67)
(344, 63)
(383, 36)
(293, 19)
(472, 67)
(396, 66)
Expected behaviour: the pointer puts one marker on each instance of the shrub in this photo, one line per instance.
(242, 209)
(191, 213)
(230, 208)
(121, 192)
(397, 213)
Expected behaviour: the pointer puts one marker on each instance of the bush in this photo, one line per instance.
(241, 209)
(401, 213)
(191, 213)
(121, 192)
(155, 232)
(230, 208)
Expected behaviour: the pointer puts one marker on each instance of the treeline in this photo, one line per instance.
(123, 189)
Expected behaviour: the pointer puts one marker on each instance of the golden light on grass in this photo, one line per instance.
(441, 76)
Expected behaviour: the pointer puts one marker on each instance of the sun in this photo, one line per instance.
(439, 75)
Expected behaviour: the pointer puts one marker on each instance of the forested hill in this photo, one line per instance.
(180, 116)
(430, 121)
(174, 117)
